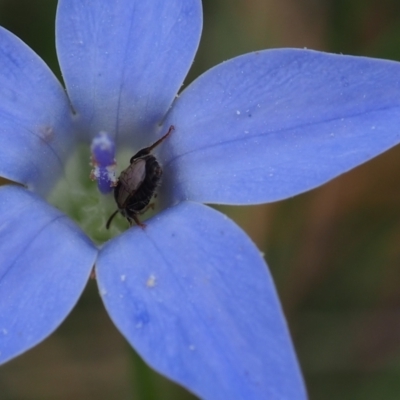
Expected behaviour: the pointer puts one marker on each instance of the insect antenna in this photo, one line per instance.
(171, 128)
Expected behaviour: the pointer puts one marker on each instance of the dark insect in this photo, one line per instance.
(137, 184)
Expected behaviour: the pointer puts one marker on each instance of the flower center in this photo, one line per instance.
(92, 190)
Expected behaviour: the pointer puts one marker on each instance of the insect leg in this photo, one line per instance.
(136, 219)
(110, 219)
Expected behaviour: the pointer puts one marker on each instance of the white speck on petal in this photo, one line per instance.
(123, 277)
(103, 292)
(238, 112)
(151, 281)
(4, 331)
(192, 347)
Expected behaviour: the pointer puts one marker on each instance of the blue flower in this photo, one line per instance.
(190, 292)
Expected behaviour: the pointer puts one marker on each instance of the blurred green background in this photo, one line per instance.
(334, 252)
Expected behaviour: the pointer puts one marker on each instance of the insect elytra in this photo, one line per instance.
(137, 183)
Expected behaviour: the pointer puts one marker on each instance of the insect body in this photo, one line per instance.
(137, 184)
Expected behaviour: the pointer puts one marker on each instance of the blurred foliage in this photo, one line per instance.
(334, 252)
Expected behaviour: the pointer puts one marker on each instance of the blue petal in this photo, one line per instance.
(45, 262)
(272, 124)
(124, 61)
(36, 134)
(193, 296)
